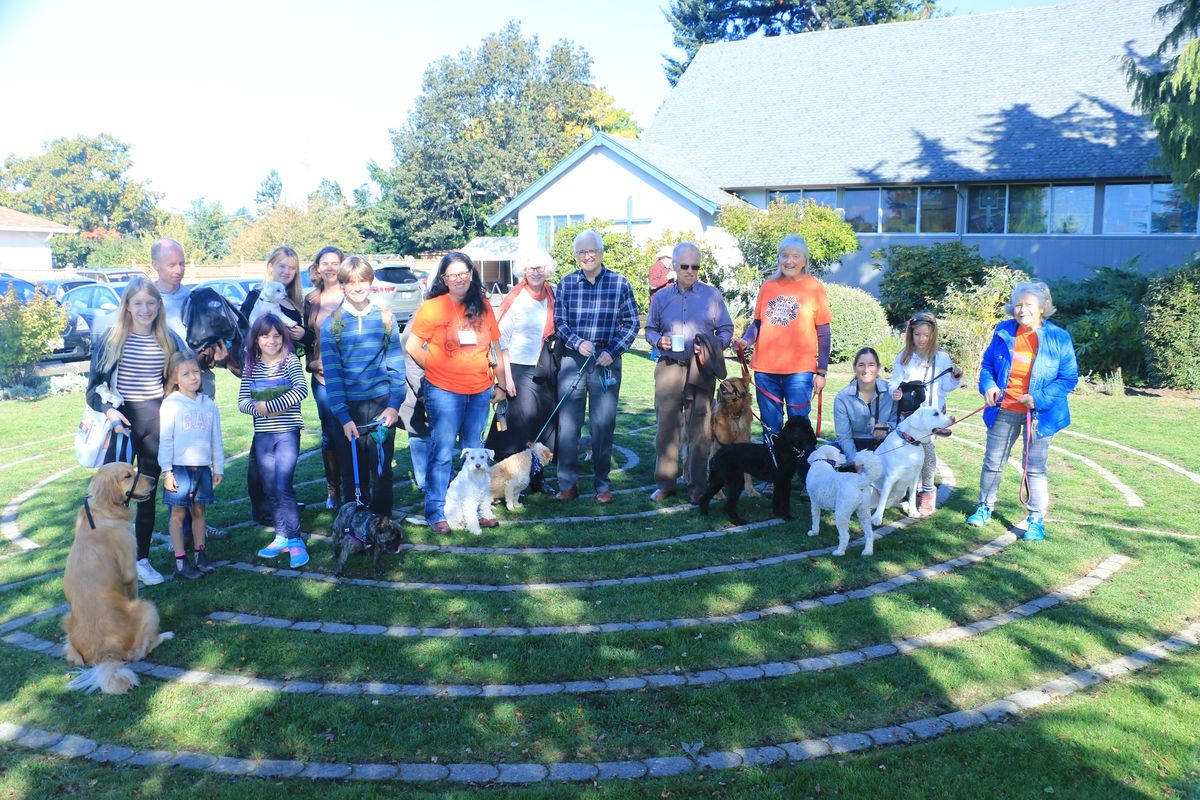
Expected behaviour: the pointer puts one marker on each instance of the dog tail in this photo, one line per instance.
(872, 467)
(110, 677)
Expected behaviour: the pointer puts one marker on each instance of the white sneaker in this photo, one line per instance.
(147, 574)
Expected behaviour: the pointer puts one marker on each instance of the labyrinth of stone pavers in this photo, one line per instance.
(579, 642)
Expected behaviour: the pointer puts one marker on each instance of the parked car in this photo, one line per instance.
(111, 274)
(57, 287)
(76, 341)
(398, 288)
(97, 303)
(232, 289)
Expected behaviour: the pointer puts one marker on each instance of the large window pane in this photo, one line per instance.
(545, 233)
(986, 209)
(787, 197)
(1072, 209)
(1170, 211)
(825, 197)
(1028, 208)
(899, 210)
(1127, 208)
(862, 209)
(939, 209)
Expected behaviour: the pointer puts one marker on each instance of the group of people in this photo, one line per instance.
(549, 359)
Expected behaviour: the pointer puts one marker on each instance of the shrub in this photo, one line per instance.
(917, 277)
(620, 255)
(888, 347)
(26, 333)
(1172, 328)
(858, 321)
(967, 315)
(758, 232)
(1104, 315)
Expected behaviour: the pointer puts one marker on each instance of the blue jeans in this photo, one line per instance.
(456, 422)
(276, 454)
(794, 389)
(1004, 433)
(418, 451)
(374, 467)
(602, 420)
(330, 429)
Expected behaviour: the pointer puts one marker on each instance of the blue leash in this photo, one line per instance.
(587, 361)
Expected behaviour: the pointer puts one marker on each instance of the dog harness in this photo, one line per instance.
(535, 465)
(88, 511)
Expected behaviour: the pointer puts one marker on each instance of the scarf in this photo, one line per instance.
(546, 294)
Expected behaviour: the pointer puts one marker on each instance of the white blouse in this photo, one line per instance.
(521, 329)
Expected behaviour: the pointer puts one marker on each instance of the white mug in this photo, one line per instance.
(677, 343)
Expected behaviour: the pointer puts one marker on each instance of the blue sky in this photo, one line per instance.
(214, 94)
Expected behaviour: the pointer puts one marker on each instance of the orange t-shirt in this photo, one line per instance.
(789, 312)
(1024, 349)
(452, 365)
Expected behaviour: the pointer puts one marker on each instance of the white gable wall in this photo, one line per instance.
(24, 251)
(599, 185)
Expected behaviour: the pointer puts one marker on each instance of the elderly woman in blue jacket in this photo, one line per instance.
(1026, 374)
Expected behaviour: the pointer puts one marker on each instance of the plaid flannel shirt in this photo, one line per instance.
(603, 313)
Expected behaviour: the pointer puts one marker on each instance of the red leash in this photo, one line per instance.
(794, 406)
(951, 425)
(1023, 492)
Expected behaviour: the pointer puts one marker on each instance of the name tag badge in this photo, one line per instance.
(466, 337)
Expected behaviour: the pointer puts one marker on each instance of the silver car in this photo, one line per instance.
(398, 288)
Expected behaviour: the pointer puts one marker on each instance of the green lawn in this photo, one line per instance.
(1134, 736)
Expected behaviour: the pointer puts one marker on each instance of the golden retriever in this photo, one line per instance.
(108, 626)
(731, 417)
(511, 476)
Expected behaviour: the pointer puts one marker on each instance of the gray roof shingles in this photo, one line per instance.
(1013, 95)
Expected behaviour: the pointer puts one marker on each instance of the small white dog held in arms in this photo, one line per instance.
(903, 457)
(512, 475)
(269, 297)
(469, 498)
(847, 493)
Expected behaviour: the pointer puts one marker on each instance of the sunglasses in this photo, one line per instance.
(692, 267)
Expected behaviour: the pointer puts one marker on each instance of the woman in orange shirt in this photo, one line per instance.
(791, 326)
(452, 334)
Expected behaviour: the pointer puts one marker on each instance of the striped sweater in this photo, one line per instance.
(359, 367)
(286, 407)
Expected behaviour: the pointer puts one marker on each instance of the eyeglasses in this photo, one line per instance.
(586, 253)
(457, 276)
(692, 267)
(535, 269)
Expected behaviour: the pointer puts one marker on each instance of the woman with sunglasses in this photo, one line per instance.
(455, 339)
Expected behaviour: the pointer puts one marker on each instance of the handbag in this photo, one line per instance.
(912, 397)
(94, 437)
(549, 360)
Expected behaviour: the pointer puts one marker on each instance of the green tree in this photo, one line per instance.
(758, 232)
(330, 192)
(210, 229)
(306, 230)
(488, 123)
(26, 333)
(83, 182)
(699, 22)
(269, 192)
(1166, 90)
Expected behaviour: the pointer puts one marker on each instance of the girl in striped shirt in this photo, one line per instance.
(272, 387)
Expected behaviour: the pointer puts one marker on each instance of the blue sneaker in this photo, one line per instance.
(277, 546)
(298, 552)
(1036, 530)
(981, 517)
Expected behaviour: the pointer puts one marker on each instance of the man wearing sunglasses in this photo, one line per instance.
(679, 313)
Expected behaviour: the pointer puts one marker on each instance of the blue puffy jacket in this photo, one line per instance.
(1054, 375)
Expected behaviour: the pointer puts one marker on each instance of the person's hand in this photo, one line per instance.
(510, 388)
(219, 352)
(604, 359)
(586, 348)
(388, 416)
(879, 432)
(897, 395)
(351, 430)
(120, 420)
(991, 397)
(740, 346)
(1027, 401)
(818, 382)
(217, 478)
(296, 332)
(665, 342)
(169, 482)
(956, 372)
(260, 408)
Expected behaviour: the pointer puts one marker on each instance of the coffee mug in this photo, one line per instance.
(677, 343)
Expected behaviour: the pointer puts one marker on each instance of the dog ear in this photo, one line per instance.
(463, 454)
(106, 485)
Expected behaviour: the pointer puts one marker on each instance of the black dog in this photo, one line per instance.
(356, 528)
(729, 466)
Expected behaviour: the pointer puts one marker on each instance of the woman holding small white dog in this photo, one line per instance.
(920, 360)
(454, 338)
(862, 410)
(1027, 372)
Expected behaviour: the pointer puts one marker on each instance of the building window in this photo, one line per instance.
(1072, 209)
(862, 209)
(939, 209)
(1028, 209)
(986, 207)
(1031, 209)
(1127, 208)
(824, 197)
(781, 196)
(548, 226)
(1170, 212)
(899, 210)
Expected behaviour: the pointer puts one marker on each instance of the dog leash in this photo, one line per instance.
(578, 376)
(794, 406)
(915, 441)
(1023, 492)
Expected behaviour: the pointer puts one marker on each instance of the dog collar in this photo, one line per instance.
(829, 461)
(535, 465)
(88, 511)
(907, 438)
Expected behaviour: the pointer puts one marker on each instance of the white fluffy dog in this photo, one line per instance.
(903, 456)
(846, 493)
(469, 498)
(269, 296)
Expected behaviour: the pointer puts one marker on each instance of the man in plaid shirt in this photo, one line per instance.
(595, 315)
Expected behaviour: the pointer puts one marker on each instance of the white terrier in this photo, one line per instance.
(903, 457)
(846, 493)
(269, 296)
(469, 498)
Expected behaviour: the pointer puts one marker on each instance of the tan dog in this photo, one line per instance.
(108, 626)
(731, 417)
(511, 476)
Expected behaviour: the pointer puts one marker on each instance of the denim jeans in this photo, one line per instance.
(276, 454)
(376, 488)
(1008, 427)
(418, 452)
(602, 420)
(456, 422)
(330, 429)
(794, 389)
